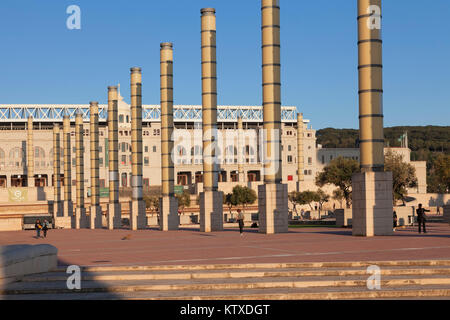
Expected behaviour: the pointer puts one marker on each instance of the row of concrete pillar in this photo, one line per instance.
(272, 196)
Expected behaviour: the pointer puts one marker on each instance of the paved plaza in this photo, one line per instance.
(191, 247)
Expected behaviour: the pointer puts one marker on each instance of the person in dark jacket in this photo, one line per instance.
(38, 228)
(45, 228)
(395, 220)
(421, 217)
(240, 219)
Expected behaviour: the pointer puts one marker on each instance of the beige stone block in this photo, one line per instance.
(95, 218)
(273, 208)
(19, 260)
(372, 204)
(114, 216)
(343, 217)
(169, 219)
(138, 218)
(80, 220)
(63, 222)
(211, 211)
(67, 208)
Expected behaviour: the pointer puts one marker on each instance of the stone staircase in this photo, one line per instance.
(332, 280)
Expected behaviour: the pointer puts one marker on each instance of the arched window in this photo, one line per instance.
(39, 157)
(124, 153)
(250, 154)
(197, 153)
(16, 157)
(231, 154)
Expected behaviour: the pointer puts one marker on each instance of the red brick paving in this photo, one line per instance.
(152, 247)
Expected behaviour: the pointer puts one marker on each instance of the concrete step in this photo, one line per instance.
(219, 284)
(330, 280)
(267, 266)
(323, 293)
(236, 274)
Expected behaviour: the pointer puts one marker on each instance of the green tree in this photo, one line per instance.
(439, 178)
(338, 195)
(243, 196)
(403, 175)
(184, 200)
(152, 202)
(292, 197)
(322, 198)
(305, 198)
(339, 172)
(230, 201)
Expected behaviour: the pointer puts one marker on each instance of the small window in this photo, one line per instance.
(146, 161)
(146, 149)
(310, 160)
(289, 159)
(121, 118)
(154, 148)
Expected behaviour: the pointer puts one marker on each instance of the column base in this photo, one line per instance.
(80, 220)
(138, 217)
(299, 186)
(67, 208)
(273, 208)
(372, 204)
(63, 222)
(96, 219)
(211, 211)
(114, 216)
(57, 209)
(168, 208)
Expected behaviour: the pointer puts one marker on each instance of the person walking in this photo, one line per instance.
(38, 228)
(45, 227)
(240, 219)
(421, 217)
(395, 220)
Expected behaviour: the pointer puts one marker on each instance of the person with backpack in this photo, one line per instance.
(38, 227)
(45, 228)
(240, 219)
(421, 217)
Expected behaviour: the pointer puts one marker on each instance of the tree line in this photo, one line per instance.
(427, 143)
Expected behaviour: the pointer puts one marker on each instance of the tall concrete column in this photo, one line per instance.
(68, 204)
(211, 209)
(95, 209)
(56, 171)
(241, 156)
(272, 195)
(300, 156)
(372, 189)
(138, 218)
(114, 209)
(169, 219)
(80, 211)
(30, 153)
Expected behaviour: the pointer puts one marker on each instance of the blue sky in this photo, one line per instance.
(43, 62)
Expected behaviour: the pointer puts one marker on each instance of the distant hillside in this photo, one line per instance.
(429, 138)
(426, 143)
